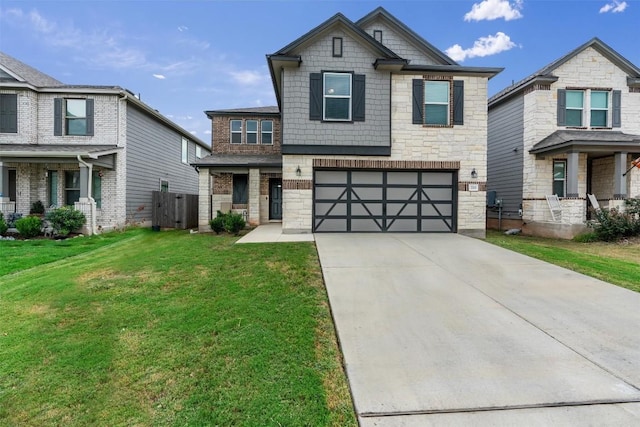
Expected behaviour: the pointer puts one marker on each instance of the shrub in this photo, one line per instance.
(29, 226)
(66, 219)
(233, 223)
(217, 224)
(37, 208)
(611, 224)
(3, 225)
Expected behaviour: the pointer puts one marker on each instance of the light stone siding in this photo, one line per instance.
(588, 69)
(254, 197)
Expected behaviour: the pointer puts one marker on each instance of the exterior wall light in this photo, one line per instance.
(474, 173)
(298, 171)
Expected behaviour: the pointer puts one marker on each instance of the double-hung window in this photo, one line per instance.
(560, 177)
(337, 96)
(71, 187)
(73, 117)
(266, 127)
(596, 108)
(252, 131)
(236, 131)
(436, 102)
(575, 107)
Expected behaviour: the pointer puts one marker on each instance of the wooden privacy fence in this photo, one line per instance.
(174, 210)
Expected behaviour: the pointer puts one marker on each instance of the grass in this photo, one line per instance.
(617, 263)
(171, 328)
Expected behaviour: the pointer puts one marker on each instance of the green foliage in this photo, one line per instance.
(37, 208)
(233, 223)
(586, 237)
(66, 219)
(3, 225)
(217, 223)
(612, 224)
(29, 226)
(632, 207)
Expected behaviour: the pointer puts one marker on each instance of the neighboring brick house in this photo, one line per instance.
(244, 172)
(570, 129)
(97, 148)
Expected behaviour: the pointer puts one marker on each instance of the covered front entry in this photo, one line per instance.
(275, 198)
(384, 201)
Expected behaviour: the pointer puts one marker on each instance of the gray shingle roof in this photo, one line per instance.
(26, 73)
(586, 138)
(245, 111)
(240, 160)
(71, 149)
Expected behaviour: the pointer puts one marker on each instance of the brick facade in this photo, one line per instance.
(221, 135)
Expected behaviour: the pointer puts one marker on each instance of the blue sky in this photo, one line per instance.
(184, 57)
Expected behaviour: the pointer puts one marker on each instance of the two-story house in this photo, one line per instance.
(381, 131)
(97, 148)
(570, 130)
(244, 172)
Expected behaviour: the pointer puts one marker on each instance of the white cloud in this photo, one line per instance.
(614, 7)
(182, 28)
(159, 76)
(248, 77)
(494, 9)
(207, 132)
(484, 46)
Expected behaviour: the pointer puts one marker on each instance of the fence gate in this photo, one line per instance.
(175, 210)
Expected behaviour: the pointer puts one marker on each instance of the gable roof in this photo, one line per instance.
(20, 72)
(258, 111)
(544, 75)
(408, 33)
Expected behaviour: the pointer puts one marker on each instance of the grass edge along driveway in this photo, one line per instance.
(172, 328)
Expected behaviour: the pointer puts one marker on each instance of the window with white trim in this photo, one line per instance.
(185, 150)
(436, 102)
(596, 108)
(251, 131)
(560, 178)
(599, 108)
(236, 131)
(337, 96)
(75, 117)
(575, 107)
(266, 128)
(198, 152)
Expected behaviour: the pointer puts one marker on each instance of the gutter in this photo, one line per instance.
(92, 201)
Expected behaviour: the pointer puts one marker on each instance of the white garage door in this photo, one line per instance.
(384, 201)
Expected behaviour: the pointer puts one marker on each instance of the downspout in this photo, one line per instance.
(92, 228)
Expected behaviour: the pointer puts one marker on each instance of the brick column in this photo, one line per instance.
(254, 197)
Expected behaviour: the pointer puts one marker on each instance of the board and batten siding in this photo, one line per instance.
(154, 152)
(505, 151)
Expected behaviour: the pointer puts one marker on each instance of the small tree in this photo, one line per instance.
(3, 225)
(217, 223)
(66, 219)
(233, 223)
(29, 226)
(37, 208)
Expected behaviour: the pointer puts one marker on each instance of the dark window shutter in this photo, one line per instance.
(89, 105)
(562, 107)
(358, 97)
(9, 113)
(57, 116)
(315, 96)
(617, 109)
(418, 101)
(458, 102)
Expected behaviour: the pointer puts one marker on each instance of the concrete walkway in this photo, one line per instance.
(271, 233)
(442, 329)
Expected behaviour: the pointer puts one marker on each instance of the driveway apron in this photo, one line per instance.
(445, 329)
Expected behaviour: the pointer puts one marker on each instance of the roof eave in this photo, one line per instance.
(455, 70)
(520, 87)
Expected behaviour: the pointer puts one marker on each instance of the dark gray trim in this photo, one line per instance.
(377, 35)
(57, 117)
(616, 120)
(562, 107)
(358, 98)
(8, 113)
(336, 45)
(315, 96)
(454, 69)
(458, 102)
(258, 112)
(89, 114)
(417, 101)
(353, 150)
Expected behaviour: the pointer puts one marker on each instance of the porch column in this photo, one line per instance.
(204, 199)
(620, 181)
(572, 174)
(4, 181)
(84, 182)
(254, 197)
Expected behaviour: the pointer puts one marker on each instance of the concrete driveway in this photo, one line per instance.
(442, 329)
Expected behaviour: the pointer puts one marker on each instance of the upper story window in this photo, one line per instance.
(198, 152)
(337, 97)
(438, 102)
(73, 117)
(185, 150)
(377, 34)
(252, 131)
(597, 108)
(8, 113)
(266, 126)
(236, 131)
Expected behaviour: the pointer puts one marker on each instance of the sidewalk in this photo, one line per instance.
(272, 233)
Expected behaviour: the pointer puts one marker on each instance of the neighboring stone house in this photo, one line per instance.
(381, 131)
(97, 148)
(571, 129)
(244, 172)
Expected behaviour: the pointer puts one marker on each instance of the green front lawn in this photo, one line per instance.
(171, 328)
(617, 263)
